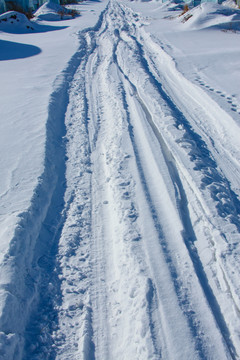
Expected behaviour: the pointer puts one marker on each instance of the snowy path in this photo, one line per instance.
(137, 255)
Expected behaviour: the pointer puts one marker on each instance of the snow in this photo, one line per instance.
(12, 21)
(51, 11)
(209, 15)
(120, 192)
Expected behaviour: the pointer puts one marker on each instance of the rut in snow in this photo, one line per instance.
(45, 270)
(189, 236)
(116, 271)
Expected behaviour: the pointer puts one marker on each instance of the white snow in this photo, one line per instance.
(51, 11)
(15, 22)
(120, 190)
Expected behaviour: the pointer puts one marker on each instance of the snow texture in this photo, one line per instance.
(120, 191)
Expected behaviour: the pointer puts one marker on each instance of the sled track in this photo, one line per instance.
(114, 268)
(205, 161)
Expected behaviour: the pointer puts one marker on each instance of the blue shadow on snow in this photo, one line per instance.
(32, 28)
(11, 50)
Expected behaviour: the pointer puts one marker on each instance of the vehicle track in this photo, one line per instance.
(123, 277)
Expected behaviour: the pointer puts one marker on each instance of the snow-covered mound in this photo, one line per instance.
(15, 22)
(51, 11)
(230, 3)
(209, 15)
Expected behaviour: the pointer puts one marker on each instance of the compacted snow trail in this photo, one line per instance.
(144, 225)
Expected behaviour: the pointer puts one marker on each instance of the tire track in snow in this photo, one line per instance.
(211, 176)
(74, 335)
(182, 298)
(118, 191)
(44, 315)
(189, 236)
(155, 327)
(189, 239)
(188, 232)
(41, 341)
(149, 289)
(214, 179)
(111, 284)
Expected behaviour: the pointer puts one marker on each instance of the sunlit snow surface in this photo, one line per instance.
(120, 190)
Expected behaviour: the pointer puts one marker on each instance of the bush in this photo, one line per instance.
(61, 13)
(73, 13)
(185, 9)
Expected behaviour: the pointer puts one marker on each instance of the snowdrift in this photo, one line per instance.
(15, 22)
(209, 15)
(50, 11)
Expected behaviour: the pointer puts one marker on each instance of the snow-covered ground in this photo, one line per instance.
(120, 183)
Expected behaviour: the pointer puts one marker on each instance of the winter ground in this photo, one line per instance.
(120, 190)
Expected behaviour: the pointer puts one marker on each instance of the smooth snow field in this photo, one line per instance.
(120, 183)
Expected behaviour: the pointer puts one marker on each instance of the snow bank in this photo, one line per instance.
(51, 11)
(208, 15)
(15, 22)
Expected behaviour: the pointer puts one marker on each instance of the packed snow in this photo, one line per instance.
(120, 182)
